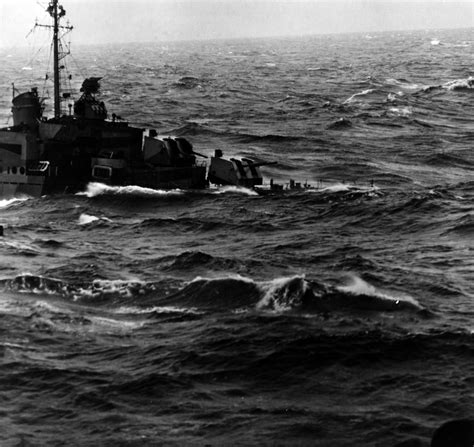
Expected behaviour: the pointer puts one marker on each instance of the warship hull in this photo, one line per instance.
(63, 153)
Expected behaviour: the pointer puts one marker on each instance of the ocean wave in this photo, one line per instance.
(228, 292)
(340, 124)
(463, 226)
(105, 288)
(192, 128)
(192, 259)
(195, 127)
(19, 248)
(240, 190)
(460, 84)
(309, 353)
(248, 138)
(345, 187)
(37, 284)
(446, 159)
(54, 316)
(200, 225)
(358, 287)
(86, 219)
(341, 192)
(188, 82)
(403, 83)
(317, 69)
(99, 189)
(356, 96)
(97, 291)
(49, 243)
(134, 310)
(5, 203)
(401, 111)
(284, 294)
(289, 294)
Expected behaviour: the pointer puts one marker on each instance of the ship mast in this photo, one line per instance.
(56, 11)
(57, 93)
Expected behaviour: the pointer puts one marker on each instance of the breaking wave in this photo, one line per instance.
(5, 203)
(225, 293)
(99, 189)
(358, 287)
(86, 219)
(460, 84)
(234, 190)
(454, 85)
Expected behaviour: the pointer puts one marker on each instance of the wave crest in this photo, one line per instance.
(5, 203)
(358, 287)
(283, 294)
(100, 189)
(230, 292)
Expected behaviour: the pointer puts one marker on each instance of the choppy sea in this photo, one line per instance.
(341, 315)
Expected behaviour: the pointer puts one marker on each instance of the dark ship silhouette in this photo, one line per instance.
(41, 155)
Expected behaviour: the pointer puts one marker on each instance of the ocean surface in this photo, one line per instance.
(338, 315)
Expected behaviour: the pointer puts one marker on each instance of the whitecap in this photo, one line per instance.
(234, 276)
(98, 189)
(391, 97)
(401, 111)
(99, 287)
(282, 294)
(108, 323)
(85, 219)
(7, 202)
(355, 95)
(20, 246)
(157, 309)
(235, 190)
(344, 187)
(359, 287)
(459, 84)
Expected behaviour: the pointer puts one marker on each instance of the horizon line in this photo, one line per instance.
(269, 36)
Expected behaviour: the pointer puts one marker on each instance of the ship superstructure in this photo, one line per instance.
(40, 155)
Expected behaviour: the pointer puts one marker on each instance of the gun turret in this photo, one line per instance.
(242, 172)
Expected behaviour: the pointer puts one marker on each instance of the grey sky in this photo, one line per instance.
(104, 21)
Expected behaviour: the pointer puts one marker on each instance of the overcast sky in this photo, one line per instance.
(105, 21)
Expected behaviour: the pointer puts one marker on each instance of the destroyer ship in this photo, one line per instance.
(40, 155)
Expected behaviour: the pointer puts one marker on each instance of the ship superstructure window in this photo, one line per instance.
(39, 168)
(102, 172)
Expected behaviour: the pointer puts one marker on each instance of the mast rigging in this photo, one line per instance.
(56, 11)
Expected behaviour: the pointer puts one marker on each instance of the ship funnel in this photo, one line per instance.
(26, 109)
